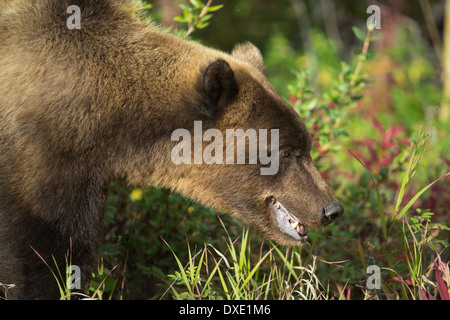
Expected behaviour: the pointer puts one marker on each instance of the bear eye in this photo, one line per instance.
(285, 154)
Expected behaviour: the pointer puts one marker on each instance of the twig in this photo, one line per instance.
(361, 59)
(431, 27)
(191, 25)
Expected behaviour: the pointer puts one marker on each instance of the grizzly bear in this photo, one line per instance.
(80, 107)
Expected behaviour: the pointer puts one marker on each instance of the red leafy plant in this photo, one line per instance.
(382, 152)
(442, 280)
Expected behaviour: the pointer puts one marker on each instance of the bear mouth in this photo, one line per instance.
(288, 223)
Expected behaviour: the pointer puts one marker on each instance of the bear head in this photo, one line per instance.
(247, 152)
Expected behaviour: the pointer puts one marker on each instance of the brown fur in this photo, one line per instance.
(79, 108)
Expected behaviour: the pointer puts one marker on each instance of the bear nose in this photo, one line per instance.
(331, 212)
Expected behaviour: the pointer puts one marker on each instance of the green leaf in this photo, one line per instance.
(310, 105)
(197, 3)
(180, 19)
(440, 226)
(359, 33)
(202, 25)
(215, 8)
(206, 17)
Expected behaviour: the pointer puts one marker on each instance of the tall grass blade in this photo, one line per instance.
(61, 290)
(182, 272)
(405, 182)
(224, 284)
(417, 153)
(285, 262)
(411, 202)
(255, 268)
(361, 254)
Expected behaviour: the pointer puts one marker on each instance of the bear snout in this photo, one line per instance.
(331, 212)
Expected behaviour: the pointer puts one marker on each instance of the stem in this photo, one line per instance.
(205, 9)
(444, 114)
(361, 59)
(191, 25)
(431, 27)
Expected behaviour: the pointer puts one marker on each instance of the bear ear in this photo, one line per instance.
(219, 84)
(249, 53)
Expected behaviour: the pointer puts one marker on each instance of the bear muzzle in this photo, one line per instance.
(293, 226)
(288, 223)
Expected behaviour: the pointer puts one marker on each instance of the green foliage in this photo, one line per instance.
(196, 15)
(236, 272)
(102, 283)
(325, 113)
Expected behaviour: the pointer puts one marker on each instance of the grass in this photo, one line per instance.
(239, 273)
(67, 281)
